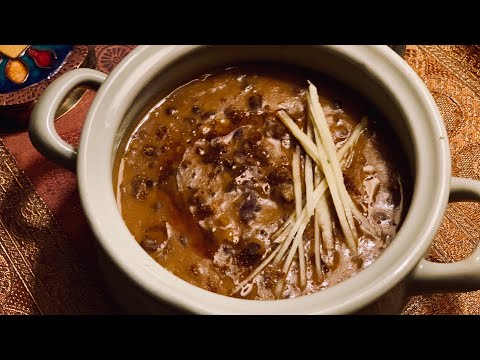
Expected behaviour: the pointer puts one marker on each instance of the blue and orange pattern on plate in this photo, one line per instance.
(30, 65)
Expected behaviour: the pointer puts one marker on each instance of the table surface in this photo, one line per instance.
(47, 255)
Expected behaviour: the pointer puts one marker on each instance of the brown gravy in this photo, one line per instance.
(205, 178)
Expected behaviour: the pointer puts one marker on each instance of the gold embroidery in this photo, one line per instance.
(39, 271)
(452, 74)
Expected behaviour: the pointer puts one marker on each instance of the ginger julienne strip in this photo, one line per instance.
(292, 229)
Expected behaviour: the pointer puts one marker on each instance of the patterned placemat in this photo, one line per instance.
(47, 262)
(452, 74)
(47, 256)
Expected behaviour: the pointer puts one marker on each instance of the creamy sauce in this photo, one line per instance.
(206, 179)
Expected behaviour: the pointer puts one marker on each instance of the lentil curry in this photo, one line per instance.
(204, 181)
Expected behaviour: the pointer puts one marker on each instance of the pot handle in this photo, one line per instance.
(460, 276)
(42, 130)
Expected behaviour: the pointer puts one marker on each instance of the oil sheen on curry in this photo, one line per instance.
(206, 183)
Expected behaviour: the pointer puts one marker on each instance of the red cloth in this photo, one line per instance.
(55, 185)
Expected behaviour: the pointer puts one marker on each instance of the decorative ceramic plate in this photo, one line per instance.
(26, 70)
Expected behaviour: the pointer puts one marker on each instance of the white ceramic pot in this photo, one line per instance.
(375, 71)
